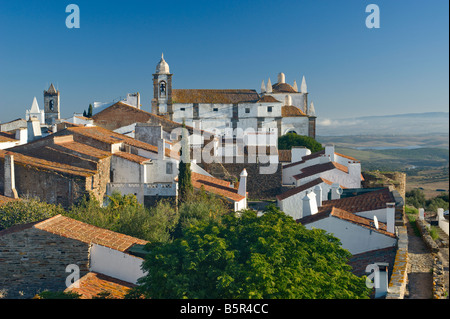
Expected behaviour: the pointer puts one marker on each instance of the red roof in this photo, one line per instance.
(320, 168)
(216, 186)
(92, 284)
(347, 216)
(74, 229)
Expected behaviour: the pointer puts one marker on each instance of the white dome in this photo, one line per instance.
(162, 67)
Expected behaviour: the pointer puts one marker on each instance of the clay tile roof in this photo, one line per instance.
(268, 99)
(132, 157)
(74, 229)
(347, 216)
(305, 158)
(107, 136)
(213, 96)
(283, 88)
(368, 201)
(299, 189)
(216, 186)
(347, 157)
(29, 161)
(291, 111)
(7, 137)
(93, 283)
(319, 168)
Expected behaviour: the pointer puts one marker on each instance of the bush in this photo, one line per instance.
(26, 211)
(288, 140)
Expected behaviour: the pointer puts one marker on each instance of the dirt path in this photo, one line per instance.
(420, 277)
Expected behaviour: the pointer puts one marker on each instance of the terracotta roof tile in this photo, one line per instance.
(268, 99)
(299, 189)
(368, 201)
(319, 168)
(48, 165)
(283, 88)
(132, 157)
(284, 155)
(92, 284)
(216, 186)
(347, 216)
(306, 158)
(291, 111)
(213, 96)
(74, 229)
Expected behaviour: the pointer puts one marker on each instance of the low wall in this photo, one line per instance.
(398, 281)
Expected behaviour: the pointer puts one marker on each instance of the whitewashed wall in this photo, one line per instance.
(356, 239)
(115, 264)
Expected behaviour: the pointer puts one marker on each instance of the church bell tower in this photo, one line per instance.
(162, 90)
(51, 105)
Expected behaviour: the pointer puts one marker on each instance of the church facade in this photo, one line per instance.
(279, 108)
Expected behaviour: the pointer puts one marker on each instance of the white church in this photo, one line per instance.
(278, 108)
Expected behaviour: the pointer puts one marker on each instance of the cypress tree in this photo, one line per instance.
(185, 188)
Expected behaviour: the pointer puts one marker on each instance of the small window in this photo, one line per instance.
(269, 109)
(247, 110)
(182, 109)
(169, 168)
(215, 109)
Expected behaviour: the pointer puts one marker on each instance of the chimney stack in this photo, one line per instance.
(10, 179)
(309, 204)
(242, 190)
(336, 191)
(318, 192)
(390, 217)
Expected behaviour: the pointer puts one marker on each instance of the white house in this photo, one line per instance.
(363, 222)
(328, 164)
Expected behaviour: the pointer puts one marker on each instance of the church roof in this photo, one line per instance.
(283, 88)
(214, 96)
(268, 99)
(291, 111)
(34, 106)
(51, 89)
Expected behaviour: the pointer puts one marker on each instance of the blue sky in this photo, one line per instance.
(351, 70)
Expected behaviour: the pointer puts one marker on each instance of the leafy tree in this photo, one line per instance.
(26, 211)
(416, 198)
(271, 256)
(288, 140)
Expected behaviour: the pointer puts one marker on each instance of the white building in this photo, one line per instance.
(362, 223)
(279, 108)
(327, 164)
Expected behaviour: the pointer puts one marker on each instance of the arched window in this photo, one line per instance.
(162, 88)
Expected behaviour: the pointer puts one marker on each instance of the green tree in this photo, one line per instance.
(288, 140)
(26, 211)
(90, 110)
(416, 198)
(271, 256)
(185, 188)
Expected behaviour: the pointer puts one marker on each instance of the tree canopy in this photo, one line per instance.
(246, 256)
(288, 140)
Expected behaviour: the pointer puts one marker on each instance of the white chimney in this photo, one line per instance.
(390, 217)
(329, 152)
(263, 87)
(9, 178)
(354, 170)
(440, 213)
(309, 204)
(161, 148)
(281, 78)
(33, 129)
(318, 192)
(243, 183)
(421, 214)
(297, 153)
(269, 87)
(336, 191)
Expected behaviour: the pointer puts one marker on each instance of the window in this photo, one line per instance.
(215, 109)
(247, 110)
(182, 109)
(269, 109)
(169, 168)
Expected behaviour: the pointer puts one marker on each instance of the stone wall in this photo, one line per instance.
(33, 260)
(259, 186)
(385, 179)
(399, 276)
